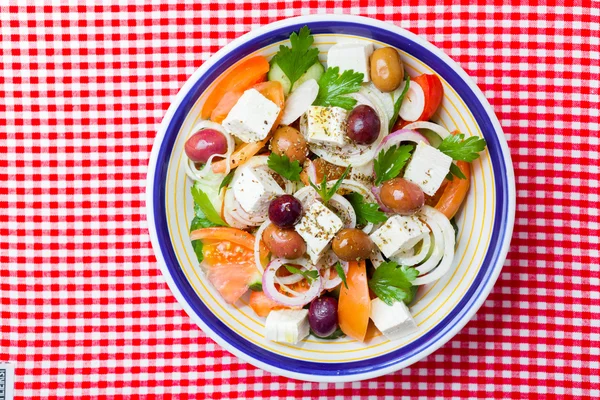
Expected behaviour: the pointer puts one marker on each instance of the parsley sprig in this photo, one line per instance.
(284, 166)
(390, 162)
(310, 275)
(227, 180)
(341, 273)
(205, 216)
(399, 101)
(296, 60)
(461, 149)
(334, 87)
(365, 212)
(392, 282)
(327, 193)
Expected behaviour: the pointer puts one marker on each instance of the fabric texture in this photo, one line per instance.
(85, 311)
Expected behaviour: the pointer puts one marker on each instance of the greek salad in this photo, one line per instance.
(326, 192)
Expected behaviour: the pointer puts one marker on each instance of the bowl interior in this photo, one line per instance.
(441, 308)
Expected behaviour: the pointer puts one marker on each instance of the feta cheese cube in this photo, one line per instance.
(399, 233)
(252, 117)
(354, 56)
(254, 189)
(288, 326)
(428, 168)
(326, 125)
(393, 321)
(317, 227)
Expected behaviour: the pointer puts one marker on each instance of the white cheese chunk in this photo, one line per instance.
(393, 321)
(252, 117)
(317, 227)
(399, 233)
(428, 168)
(287, 326)
(326, 125)
(254, 189)
(354, 56)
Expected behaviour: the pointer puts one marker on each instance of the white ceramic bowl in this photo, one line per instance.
(442, 309)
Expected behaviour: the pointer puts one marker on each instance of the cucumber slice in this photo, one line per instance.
(434, 139)
(255, 283)
(313, 72)
(276, 74)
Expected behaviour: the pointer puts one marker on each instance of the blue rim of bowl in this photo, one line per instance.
(454, 320)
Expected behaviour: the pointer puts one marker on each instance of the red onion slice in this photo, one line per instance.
(299, 300)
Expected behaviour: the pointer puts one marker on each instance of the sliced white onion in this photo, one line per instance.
(385, 99)
(257, 239)
(440, 130)
(300, 299)
(402, 135)
(410, 258)
(205, 172)
(414, 103)
(377, 259)
(449, 242)
(311, 171)
(345, 210)
(438, 244)
(299, 101)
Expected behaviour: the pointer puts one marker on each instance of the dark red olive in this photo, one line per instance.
(323, 316)
(285, 211)
(204, 143)
(363, 125)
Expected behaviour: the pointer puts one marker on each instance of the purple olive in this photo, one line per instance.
(322, 316)
(285, 211)
(204, 143)
(363, 125)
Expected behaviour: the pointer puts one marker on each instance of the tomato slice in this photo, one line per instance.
(354, 304)
(434, 91)
(233, 235)
(262, 305)
(240, 78)
(225, 105)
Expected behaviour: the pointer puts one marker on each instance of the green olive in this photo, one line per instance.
(387, 70)
(352, 244)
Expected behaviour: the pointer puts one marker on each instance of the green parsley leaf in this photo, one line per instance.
(309, 275)
(392, 282)
(461, 149)
(325, 193)
(455, 171)
(365, 212)
(333, 87)
(398, 102)
(341, 273)
(390, 162)
(296, 60)
(206, 206)
(284, 167)
(227, 180)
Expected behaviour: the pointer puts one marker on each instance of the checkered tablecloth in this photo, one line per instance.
(84, 309)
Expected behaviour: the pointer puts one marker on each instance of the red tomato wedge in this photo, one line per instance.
(434, 91)
(272, 91)
(262, 305)
(354, 304)
(230, 268)
(455, 192)
(234, 235)
(239, 78)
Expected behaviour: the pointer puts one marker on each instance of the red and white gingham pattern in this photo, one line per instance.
(84, 310)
